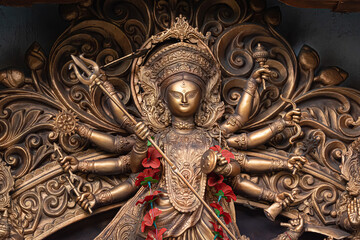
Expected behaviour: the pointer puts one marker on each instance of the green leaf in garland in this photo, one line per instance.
(217, 235)
(220, 193)
(149, 143)
(217, 212)
(147, 180)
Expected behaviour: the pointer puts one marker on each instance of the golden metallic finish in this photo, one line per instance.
(190, 90)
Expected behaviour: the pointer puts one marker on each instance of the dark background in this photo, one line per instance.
(335, 36)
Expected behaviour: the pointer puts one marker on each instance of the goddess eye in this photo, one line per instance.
(176, 95)
(191, 94)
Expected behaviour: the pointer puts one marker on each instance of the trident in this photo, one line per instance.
(92, 78)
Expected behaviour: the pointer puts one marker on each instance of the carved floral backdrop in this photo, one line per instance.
(237, 67)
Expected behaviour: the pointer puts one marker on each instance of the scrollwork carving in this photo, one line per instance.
(30, 108)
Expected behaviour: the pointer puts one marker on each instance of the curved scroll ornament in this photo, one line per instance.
(37, 210)
(7, 183)
(165, 12)
(132, 17)
(216, 16)
(234, 50)
(102, 42)
(42, 109)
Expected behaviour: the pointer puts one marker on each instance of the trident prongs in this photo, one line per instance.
(89, 76)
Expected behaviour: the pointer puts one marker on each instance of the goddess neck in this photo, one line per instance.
(183, 125)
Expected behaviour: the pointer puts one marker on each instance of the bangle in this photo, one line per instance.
(235, 120)
(87, 166)
(104, 197)
(277, 126)
(278, 165)
(121, 144)
(267, 195)
(240, 158)
(251, 87)
(242, 141)
(227, 170)
(126, 122)
(140, 149)
(123, 164)
(85, 131)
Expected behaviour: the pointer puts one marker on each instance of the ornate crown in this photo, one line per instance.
(179, 49)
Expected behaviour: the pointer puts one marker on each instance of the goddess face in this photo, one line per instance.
(183, 98)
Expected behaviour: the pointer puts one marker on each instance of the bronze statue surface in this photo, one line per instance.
(175, 124)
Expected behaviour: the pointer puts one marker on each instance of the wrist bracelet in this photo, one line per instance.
(86, 166)
(251, 87)
(242, 141)
(227, 170)
(267, 195)
(277, 126)
(278, 165)
(103, 198)
(140, 149)
(85, 131)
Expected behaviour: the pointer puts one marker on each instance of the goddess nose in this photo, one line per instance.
(184, 99)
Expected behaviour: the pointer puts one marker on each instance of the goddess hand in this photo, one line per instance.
(261, 73)
(86, 201)
(141, 131)
(293, 117)
(353, 210)
(284, 199)
(222, 165)
(69, 163)
(295, 225)
(296, 162)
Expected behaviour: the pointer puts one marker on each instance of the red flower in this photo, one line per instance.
(216, 148)
(225, 153)
(215, 179)
(218, 232)
(149, 218)
(220, 212)
(225, 191)
(149, 198)
(152, 159)
(153, 236)
(148, 175)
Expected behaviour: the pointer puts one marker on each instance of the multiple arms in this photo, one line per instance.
(107, 142)
(251, 140)
(119, 116)
(244, 107)
(116, 194)
(242, 114)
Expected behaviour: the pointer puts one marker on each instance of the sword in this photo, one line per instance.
(93, 78)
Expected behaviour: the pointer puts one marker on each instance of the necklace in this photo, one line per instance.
(183, 125)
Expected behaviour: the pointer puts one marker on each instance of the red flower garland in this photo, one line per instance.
(218, 232)
(220, 212)
(222, 191)
(215, 179)
(225, 191)
(146, 178)
(225, 153)
(152, 160)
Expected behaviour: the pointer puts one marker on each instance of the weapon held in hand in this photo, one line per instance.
(71, 176)
(93, 78)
